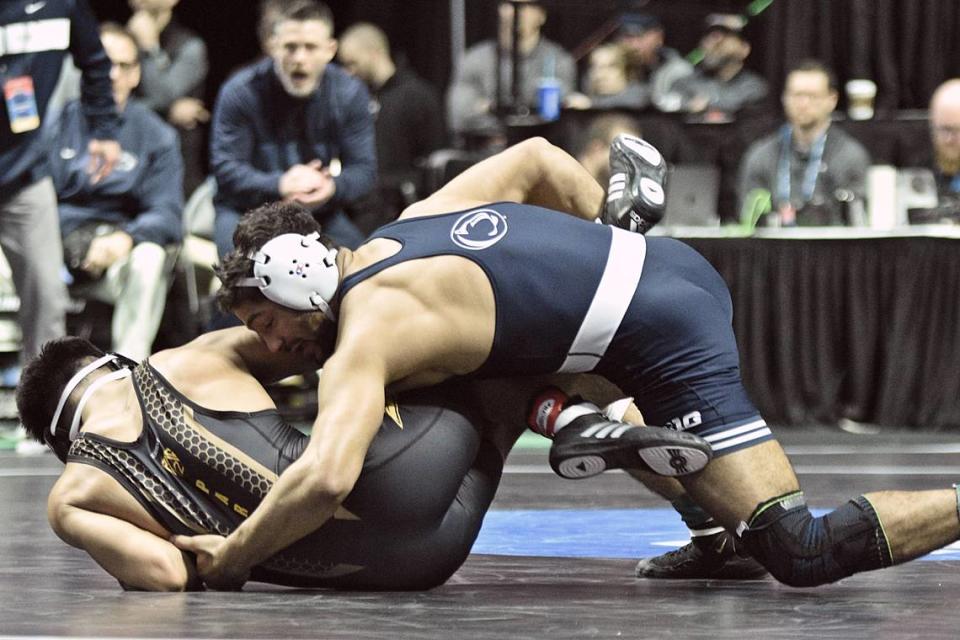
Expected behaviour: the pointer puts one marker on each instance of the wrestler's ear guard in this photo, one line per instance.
(297, 272)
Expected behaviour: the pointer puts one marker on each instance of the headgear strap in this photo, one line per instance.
(297, 272)
(71, 385)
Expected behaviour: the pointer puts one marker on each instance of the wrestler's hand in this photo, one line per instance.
(213, 563)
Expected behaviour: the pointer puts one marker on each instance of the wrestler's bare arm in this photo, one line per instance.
(139, 559)
(532, 172)
(308, 492)
(372, 351)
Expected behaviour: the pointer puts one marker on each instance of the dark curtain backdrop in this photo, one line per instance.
(864, 329)
(907, 46)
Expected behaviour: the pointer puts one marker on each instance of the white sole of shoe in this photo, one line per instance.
(673, 461)
(581, 467)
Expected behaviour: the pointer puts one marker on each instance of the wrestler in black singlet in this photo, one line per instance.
(409, 523)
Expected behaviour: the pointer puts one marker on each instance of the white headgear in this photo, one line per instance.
(296, 271)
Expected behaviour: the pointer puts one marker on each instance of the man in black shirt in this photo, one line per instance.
(408, 115)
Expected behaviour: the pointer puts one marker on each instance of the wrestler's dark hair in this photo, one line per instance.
(44, 378)
(254, 230)
(273, 12)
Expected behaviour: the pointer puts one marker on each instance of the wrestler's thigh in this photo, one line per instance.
(731, 486)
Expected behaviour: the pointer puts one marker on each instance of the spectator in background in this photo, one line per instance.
(36, 37)
(656, 66)
(408, 121)
(945, 134)
(608, 85)
(471, 98)
(720, 85)
(117, 232)
(173, 70)
(807, 173)
(594, 152)
(279, 123)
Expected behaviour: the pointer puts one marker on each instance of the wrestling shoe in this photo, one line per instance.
(636, 197)
(591, 444)
(713, 557)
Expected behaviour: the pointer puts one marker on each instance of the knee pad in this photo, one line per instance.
(803, 551)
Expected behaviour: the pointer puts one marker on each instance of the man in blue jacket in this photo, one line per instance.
(34, 37)
(279, 123)
(117, 233)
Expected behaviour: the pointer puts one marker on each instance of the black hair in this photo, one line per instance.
(811, 65)
(44, 378)
(255, 229)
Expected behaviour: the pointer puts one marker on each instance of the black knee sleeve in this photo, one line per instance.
(803, 551)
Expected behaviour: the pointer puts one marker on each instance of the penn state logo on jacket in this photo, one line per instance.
(479, 229)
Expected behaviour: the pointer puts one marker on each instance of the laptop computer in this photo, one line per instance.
(692, 194)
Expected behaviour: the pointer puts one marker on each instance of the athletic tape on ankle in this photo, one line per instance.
(616, 409)
(702, 533)
(573, 412)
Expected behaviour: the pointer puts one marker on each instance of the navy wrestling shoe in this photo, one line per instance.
(713, 557)
(636, 197)
(591, 444)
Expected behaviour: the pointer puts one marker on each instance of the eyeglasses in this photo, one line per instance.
(126, 67)
(946, 130)
(804, 95)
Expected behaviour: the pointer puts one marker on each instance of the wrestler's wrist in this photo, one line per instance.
(235, 556)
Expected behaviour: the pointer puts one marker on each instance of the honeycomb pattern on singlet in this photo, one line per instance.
(287, 563)
(154, 489)
(166, 411)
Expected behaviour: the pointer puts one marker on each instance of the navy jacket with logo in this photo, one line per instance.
(34, 37)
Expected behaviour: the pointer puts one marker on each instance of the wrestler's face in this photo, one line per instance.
(301, 50)
(306, 333)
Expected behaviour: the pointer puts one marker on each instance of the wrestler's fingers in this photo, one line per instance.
(196, 544)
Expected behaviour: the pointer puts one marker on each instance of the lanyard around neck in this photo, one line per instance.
(784, 166)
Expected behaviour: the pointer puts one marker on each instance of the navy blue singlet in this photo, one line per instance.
(651, 315)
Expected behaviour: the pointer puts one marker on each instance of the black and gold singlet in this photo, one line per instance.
(409, 522)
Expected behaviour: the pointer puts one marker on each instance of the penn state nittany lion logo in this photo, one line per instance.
(479, 229)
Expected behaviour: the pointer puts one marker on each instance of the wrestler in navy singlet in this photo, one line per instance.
(649, 314)
(202, 471)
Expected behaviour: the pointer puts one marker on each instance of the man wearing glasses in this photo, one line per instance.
(945, 131)
(806, 173)
(118, 233)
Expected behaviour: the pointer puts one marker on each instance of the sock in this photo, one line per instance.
(552, 410)
(699, 522)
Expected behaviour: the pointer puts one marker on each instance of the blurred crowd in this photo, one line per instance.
(112, 160)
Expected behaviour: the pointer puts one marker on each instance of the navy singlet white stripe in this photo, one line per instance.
(614, 293)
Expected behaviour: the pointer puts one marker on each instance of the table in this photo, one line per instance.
(843, 323)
